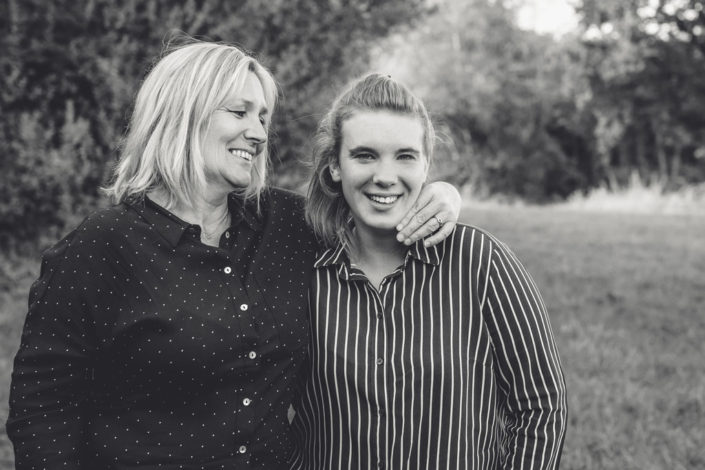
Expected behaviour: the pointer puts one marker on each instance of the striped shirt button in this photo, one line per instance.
(380, 361)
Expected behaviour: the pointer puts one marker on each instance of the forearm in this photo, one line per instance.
(46, 417)
(536, 435)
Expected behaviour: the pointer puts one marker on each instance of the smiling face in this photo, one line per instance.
(236, 136)
(381, 167)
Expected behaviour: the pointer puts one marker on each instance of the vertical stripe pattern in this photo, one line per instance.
(451, 364)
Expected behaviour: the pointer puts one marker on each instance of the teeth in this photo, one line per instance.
(383, 199)
(242, 154)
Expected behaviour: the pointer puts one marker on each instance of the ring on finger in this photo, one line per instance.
(438, 219)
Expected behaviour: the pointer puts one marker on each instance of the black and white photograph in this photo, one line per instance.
(352, 234)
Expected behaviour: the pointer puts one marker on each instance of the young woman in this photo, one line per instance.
(422, 358)
(169, 330)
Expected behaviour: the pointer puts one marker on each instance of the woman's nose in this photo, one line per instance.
(384, 175)
(256, 132)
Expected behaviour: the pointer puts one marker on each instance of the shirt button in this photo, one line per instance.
(252, 355)
(244, 307)
(228, 270)
(380, 361)
(246, 402)
(242, 449)
(227, 234)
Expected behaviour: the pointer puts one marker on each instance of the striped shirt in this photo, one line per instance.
(451, 364)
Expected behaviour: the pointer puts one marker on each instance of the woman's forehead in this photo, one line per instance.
(383, 129)
(249, 92)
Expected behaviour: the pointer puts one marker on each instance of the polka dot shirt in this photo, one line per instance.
(144, 348)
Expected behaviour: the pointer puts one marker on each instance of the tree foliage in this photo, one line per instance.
(645, 63)
(520, 113)
(540, 118)
(71, 69)
(505, 100)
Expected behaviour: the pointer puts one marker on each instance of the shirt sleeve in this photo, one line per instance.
(52, 367)
(529, 375)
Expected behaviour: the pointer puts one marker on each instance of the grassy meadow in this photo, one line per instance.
(626, 296)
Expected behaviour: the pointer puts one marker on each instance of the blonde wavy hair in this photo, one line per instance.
(163, 146)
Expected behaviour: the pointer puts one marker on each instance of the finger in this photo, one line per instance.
(411, 222)
(419, 220)
(427, 228)
(440, 235)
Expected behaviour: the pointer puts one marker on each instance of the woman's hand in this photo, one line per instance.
(435, 212)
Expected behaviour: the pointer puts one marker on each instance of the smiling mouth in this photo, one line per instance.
(242, 154)
(387, 200)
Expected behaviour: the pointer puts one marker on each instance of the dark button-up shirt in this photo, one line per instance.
(145, 348)
(451, 364)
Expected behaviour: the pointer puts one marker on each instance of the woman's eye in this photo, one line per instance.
(237, 112)
(363, 156)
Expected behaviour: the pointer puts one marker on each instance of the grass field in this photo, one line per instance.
(626, 296)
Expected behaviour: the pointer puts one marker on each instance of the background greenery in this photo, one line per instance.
(522, 116)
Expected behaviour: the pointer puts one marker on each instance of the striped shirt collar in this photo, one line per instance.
(338, 256)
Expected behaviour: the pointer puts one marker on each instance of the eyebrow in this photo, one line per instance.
(363, 148)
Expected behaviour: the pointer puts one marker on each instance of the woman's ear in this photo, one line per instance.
(334, 171)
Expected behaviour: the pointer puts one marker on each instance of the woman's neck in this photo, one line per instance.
(377, 254)
(212, 215)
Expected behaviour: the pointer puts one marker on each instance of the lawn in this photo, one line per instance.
(626, 296)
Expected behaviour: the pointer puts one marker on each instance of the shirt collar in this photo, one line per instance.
(172, 228)
(431, 255)
(339, 256)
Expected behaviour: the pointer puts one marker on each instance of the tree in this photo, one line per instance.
(71, 69)
(505, 99)
(645, 65)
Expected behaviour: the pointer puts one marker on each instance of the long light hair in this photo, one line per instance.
(173, 109)
(327, 212)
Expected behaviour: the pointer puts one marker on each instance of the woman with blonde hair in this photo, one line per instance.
(169, 330)
(423, 358)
